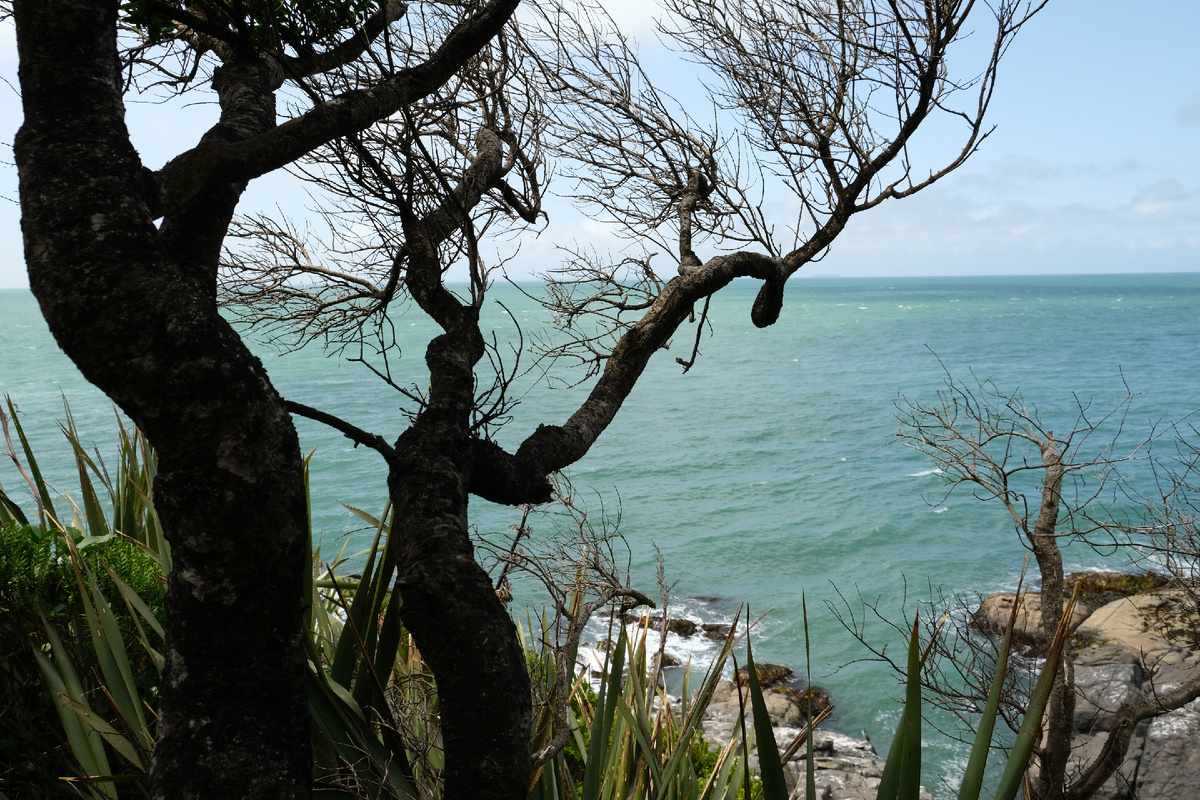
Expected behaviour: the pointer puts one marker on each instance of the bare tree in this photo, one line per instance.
(577, 562)
(426, 131)
(1060, 488)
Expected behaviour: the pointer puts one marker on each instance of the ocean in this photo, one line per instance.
(768, 474)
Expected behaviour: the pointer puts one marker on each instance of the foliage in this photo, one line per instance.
(35, 570)
(262, 24)
(81, 604)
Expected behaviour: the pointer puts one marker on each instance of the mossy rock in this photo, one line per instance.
(769, 675)
(682, 627)
(1101, 588)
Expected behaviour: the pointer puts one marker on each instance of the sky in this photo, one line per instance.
(1092, 167)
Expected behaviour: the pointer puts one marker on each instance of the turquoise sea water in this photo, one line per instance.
(762, 475)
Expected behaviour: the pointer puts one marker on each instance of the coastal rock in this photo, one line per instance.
(846, 769)
(1120, 786)
(1135, 647)
(1100, 691)
(995, 610)
(1163, 759)
(768, 674)
(1098, 653)
(783, 712)
(680, 627)
(1175, 668)
(1101, 588)
(786, 705)
(1150, 624)
(1170, 764)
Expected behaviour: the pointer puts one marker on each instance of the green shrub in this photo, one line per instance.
(36, 575)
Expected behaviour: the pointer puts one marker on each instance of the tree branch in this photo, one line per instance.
(1117, 744)
(347, 50)
(550, 448)
(351, 432)
(186, 174)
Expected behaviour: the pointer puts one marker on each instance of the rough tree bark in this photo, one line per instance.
(135, 308)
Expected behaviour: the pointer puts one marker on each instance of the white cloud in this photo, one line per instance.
(1165, 200)
(961, 230)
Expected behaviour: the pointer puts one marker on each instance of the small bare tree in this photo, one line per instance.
(577, 561)
(1057, 489)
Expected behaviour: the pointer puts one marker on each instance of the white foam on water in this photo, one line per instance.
(695, 652)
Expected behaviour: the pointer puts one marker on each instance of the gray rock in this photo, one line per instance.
(1175, 668)
(784, 713)
(1137, 646)
(1100, 691)
(1120, 786)
(846, 769)
(1170, 765)
(783, 710)
(1107, 653)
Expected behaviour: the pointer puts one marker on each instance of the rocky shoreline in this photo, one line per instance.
(1130, 647)
(845, 768)
(1132, 636)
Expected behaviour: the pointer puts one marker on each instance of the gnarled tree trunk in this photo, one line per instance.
(134, 307)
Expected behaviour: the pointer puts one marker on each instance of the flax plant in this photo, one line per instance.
(98, 692)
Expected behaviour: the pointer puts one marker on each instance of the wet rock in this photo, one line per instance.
(715, 631)
(681, 627)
